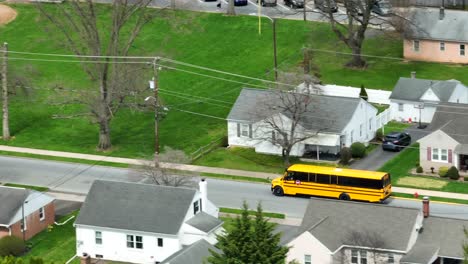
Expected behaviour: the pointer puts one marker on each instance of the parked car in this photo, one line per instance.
(396, 141)
(267, 2)
(382, 8)
(294, 3)
(326, 5)
(239, 2)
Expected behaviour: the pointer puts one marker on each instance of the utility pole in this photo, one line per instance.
(156, 110)
(6, 125)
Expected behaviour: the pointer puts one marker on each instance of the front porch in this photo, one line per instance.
(321, 152)
(463, 164)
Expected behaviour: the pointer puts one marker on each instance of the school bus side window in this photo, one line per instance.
(290, 176)
(323, 178)
(301, 176)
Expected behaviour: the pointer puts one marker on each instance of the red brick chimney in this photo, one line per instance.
(85, 259)
(426, 206)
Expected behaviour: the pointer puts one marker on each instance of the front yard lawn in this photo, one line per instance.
(394, 126)
(56, 246)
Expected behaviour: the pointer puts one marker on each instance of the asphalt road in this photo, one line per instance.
(77, 178)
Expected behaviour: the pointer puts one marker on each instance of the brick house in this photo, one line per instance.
(437, 35)
(37, 208)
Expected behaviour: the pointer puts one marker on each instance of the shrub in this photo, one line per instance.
(417, 164)
(345, 156)
(452, 173)
(443, 171)
(11, 246)
(419, 169)
(358, 150)
(379, 135)
(465, 178)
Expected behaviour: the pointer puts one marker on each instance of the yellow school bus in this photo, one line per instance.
(344, 184)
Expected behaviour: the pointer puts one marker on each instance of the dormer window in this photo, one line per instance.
(196, 207)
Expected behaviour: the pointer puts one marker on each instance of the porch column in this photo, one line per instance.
(318, 149)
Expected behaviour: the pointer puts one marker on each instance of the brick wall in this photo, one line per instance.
(33, 224)
(4, 231)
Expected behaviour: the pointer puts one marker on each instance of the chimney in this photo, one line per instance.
(426, 206)
(85, 259)
(441, 13)
(413, 75)
(204, 193)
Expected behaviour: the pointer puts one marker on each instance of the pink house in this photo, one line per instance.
(437, 35)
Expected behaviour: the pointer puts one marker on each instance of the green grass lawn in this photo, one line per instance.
(212, 40)
(36, 188)
(400, 165)
(394, 126)
(56, 246)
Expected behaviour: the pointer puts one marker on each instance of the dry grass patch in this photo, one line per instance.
(7, 14)
(422, 182)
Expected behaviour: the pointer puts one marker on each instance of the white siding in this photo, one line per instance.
(429, 95)
(459, 95)
(307, 244)
(361, 117)
(409, 111)
(114, 245)
(373, 256)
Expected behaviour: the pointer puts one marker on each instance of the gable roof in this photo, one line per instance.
(193, 254)
(332, 222)
(133, 206)
(440, 236)
(330, 113)
(204, 222)
(411, 89)
(427, 25)
(12, 200)
(452, 119)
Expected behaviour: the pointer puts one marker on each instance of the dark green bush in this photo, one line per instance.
(11, 246)
(358, 150)
(345, 156)
(443, 171)
(419, 169)
(452, 173)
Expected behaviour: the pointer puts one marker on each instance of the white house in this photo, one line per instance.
(141, 223)
(413, 99)
(331, 121)
(334, 231)
(447, 145)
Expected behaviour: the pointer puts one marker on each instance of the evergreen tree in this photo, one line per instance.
(249, 241)
(363, 93)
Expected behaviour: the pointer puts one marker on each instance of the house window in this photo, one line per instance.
(391, 259)
(354, 256)
(245, 130)
(363, 257)
(440, 155)
(98, 237)
(462, 49)
(196, 207)
(416, 45)
(442, 46)
(370, 123)
(360, 130)
(160, 242)
(139, 242)
(400, 107)
(41, 213)
(130, 241)
(307, 259)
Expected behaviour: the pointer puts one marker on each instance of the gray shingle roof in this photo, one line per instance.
(332, 221)
(328, 113)
(453, 120)
(193, 254)
(132, 206)
(427, 25)
(444, 234)
(11, 201)
(420, 254)
(204, 222)
(411, 89)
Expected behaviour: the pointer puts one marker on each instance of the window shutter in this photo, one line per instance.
(429, 154)
(450, 156)
(250, 130)
(238, 130)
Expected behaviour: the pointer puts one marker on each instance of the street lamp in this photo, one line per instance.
(273, 23)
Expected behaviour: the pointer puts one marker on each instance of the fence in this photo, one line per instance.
(383, 118)
(205, 149)
(430, 3)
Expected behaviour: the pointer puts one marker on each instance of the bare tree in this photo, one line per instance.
(5, 109)
(230, 8)
(371, 240)
(84, 34)
(162, 176)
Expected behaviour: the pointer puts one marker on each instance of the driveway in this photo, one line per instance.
(379, 157)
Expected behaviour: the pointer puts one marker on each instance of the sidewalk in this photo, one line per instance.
(204, 169)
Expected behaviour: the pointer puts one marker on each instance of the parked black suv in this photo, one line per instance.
(326, 5)
(294, 3)
(396, 141)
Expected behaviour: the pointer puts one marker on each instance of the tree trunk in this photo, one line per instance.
(173, 4)
(230, 9)
(356, 61)
(6, 123)
(285, 153)
(104, 135)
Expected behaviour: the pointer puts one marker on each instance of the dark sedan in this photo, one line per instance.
(396, 141)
